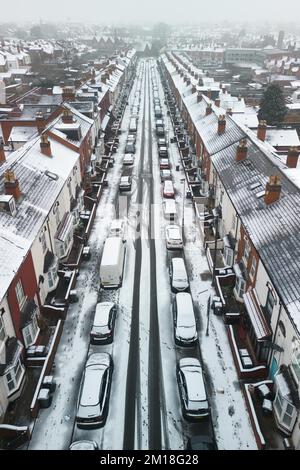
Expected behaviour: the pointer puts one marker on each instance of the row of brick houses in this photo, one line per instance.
(45, 184)
(255, 198)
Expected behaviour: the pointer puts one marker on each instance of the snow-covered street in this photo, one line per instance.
(144, 405)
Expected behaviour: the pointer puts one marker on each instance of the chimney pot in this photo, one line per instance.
(273, 189)
(199, 97)
(221, 124)
(45, 145)
(67, 117)
(229, 111)
(292, 157)
(40, 122)
(224, 89)
(208, 109)
(241, 151)
(11, 185)
(217, 102)
(261, 130)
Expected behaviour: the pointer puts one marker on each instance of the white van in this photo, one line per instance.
(170, 210)
(112, 263)
(133, 125)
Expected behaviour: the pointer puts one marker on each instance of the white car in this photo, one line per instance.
(178, 275)
(125, 183)
(118, 229)
(128, 159)
(173, 237)
(192, 391)
(185, 330)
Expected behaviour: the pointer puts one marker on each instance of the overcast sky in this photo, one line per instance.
(133, 11)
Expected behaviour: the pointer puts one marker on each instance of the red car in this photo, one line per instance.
(164, 164)
(168, 189)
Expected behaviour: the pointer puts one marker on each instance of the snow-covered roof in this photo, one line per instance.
(282, 137)
(22, 133)
(41, 180)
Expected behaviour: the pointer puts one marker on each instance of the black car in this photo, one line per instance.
(201, 443)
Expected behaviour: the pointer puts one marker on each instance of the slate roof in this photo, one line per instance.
(273, 229)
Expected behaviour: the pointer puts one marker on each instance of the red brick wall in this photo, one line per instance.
(26, 274)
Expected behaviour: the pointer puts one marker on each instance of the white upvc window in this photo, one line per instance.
(246, 251)
(13, 376)
(30, 332)
(2, 329)
(253, 267)
(20, 294)
(295, 360)
(228, 256)
(239, 288)
(286, 412)
(43, 241)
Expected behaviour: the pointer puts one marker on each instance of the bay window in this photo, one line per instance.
(295, 360)
(239, 288)
(30, 332)
(20, 294)
(2, 330)
(13, 375)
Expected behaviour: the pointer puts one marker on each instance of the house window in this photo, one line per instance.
(13, 376)
(30, 332)
(270, 303)
(233, 223)
(2, 329)
(43, 241)
(20, 294)
(253, 267)
(246, 252)
(240, 287)
(285, 411)
(228, 256)
(295, 362)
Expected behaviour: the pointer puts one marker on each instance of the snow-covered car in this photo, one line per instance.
(178, 275)
(191, 387)
(93, 400)
(185, 331)
(84, 445)
(168, 189)
(163, 152)
(125, 183)
(130, 147)
(201, 442)
(173, 237)
(118, 229)
(164, 164)
(104, 323)
(128, 159)
(161, 142)
(165, 175)
(160, 131)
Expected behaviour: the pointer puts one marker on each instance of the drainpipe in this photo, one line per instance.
(275, 333)
(50, 236)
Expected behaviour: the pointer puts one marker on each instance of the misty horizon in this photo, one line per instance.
(132, 12)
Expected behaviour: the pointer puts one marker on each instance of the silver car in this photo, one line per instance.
(93, 401)
(104, 323)
(178, 275)
(185, 331)
(192, 389)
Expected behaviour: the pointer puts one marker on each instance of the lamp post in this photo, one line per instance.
(183, 196)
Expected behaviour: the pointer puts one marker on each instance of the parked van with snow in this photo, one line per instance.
(170, 210)
(112, 263)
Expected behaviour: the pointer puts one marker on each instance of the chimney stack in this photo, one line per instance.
(11, 185)
(229, 111)
(194, 89)
(273, 189)
(208, 93)
(217, 102)
(199, 97)
(220, 86)
(208, 109)
(68, 93)
(240, 97)
(45, 145)
(2, 153)
(67, 117)
(261, 130)
(241, 151)
(40, 122)
(221, 124)
(291, 161)
(224, 89)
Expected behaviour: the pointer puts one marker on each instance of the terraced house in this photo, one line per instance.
(252, 243)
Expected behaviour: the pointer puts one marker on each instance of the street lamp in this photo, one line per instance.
(183, 196)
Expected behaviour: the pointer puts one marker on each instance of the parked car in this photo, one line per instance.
(128, 159)
(118, 229)
(84, 445)
(185, 330)
(191, 387)
(164, 164)
(93, 400)
(160, 131)
(165, 175)
(162, 142)
(131, 138)
(163, 152)
(201, 442)
(168, 189)
(173, 237)
(178, 275)
(130, 147)
(125, 183)
(104, 323)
